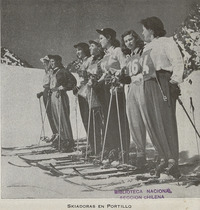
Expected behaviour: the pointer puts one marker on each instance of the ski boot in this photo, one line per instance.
(161, 167)
(172, 169)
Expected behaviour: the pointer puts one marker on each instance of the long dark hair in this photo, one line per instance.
(155, 24)
(138, 41)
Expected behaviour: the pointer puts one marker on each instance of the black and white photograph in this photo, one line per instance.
(100, 100)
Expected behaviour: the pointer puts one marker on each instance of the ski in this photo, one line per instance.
(109, 184)
(93, 172)
(33, 146)
(45, 163)
(57, 172)
(87, 168)
(100, 175)
(56, 156)
(36, 146)
(47, 150)
(22, 165)
(68, 165)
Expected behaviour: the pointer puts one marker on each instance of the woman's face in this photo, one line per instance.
(129, 42)
(103, 41)
(147, 33)
(94, 50)
(79, 52)
(46, 64)
(53, 63)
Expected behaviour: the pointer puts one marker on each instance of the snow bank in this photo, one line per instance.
(20, 112)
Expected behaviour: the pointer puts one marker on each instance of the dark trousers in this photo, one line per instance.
(95, 123)
(47, 99)
(113, 136)
(161, 119)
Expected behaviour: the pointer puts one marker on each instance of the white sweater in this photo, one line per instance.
(166, 55)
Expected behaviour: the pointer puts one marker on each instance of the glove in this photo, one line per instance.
(175, 90)
(98, 85)
(61, 88)
(90, 82)
(108, 79)
(115, 82)
(39, 94)
(123, 71)
(75, 90)
(124, 79)
(49, 93)
(58, 94)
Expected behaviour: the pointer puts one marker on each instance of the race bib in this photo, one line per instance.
(134, 66)
(148, 69)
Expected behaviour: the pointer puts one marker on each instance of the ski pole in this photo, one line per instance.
(192, 107)
(125, 123)
(88, 128)
(44, 120)
(181, 103)
(119, 123)
(76, 113)
(98, 113)
(42, 117)
(107, 120)
(102, 125)
(95, 144)
(59, 119)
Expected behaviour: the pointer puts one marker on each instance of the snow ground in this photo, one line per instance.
(35, 183)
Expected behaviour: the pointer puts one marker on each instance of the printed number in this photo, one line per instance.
(134, 67)
(144, 65)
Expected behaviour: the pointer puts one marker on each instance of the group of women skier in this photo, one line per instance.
(123, 91)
